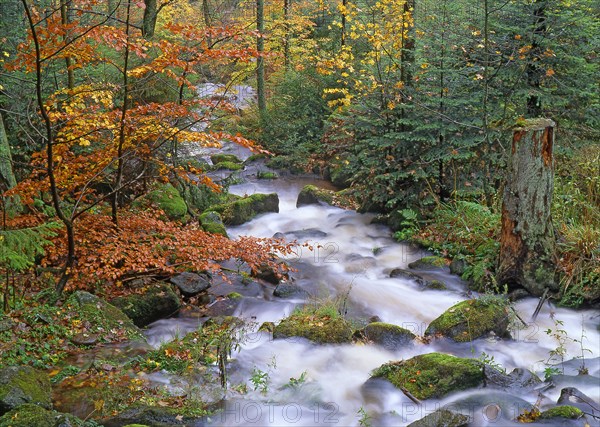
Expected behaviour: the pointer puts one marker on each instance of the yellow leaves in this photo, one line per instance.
(518, 37)
(424, 65)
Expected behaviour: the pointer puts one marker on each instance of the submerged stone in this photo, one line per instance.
(429, 263)
(432, 375)
(472, 319)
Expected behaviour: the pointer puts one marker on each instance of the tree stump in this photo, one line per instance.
(527, 236)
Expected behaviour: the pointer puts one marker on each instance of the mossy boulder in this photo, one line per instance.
(168, 198)
(289, 290)
(432, 375)
(244, 209)
(566, 411)
(30, 415)
(103, 317)
(221, 158)
(472, 319)
(399, 273)
(150, 416)
(156, 302)
(316, 327)
(266, 175)
(22, 384)
(228, 166)
(429, 263)
(442, 418)
(312, 195)
(391, 337)
(212, 222)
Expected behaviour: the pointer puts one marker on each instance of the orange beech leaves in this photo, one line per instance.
(145, 244)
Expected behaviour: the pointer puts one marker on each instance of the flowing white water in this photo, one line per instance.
(353, 257)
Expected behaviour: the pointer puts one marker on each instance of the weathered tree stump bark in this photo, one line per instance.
(527, 236)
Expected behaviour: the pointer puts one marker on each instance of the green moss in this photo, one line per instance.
(432, 375)
(565, 411)
(156, 302)
(102, 316)
(266, 175)
(223, 158)
(471, 319)
(213, 223)
(228, 165)
(322, 324)
(167, 198)
(436, 284)
(30, 415)
(311, 194)
(23, 384)
(428, 263)
(256, 157)
(244, 209)
(234, 295)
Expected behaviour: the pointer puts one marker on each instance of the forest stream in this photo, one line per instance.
(351, 261)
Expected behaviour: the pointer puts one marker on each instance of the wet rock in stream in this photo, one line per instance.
(156, 302)
(442, 418)
(391, 337)
(472, 319)
(191, 284)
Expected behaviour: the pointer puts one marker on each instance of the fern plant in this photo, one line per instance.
(18, 249)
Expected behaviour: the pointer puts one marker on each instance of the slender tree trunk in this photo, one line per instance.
(64, 17)
(260, 61)
(527, 236)
(534, 71)
(49, 135)
(287, 5)
(11, 205)
(122, 124)
(407, 57)
(207, 19)
(149, 21)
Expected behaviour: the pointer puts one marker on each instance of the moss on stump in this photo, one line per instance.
(432, 375)
(472, 319)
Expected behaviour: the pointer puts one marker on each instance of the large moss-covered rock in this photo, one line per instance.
(566, 411)
(318, 327)
(472, 319)
(30, 415)
(442, 418)
(150, 416)
(228, 166)
(157, 302)
(23, 384)
(167, 198)
(390, 337)
(312, 195)
(432, 375)
(212, 222)
(103, 317)
(244, 209)
(429, 263)
(220, 158)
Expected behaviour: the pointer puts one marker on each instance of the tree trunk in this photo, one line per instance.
(527, 236)
(260, 61)
(287, 4)
(12, 204)
(534, 71)
(149, 21)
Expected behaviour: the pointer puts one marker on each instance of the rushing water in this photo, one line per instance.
(351, 261)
